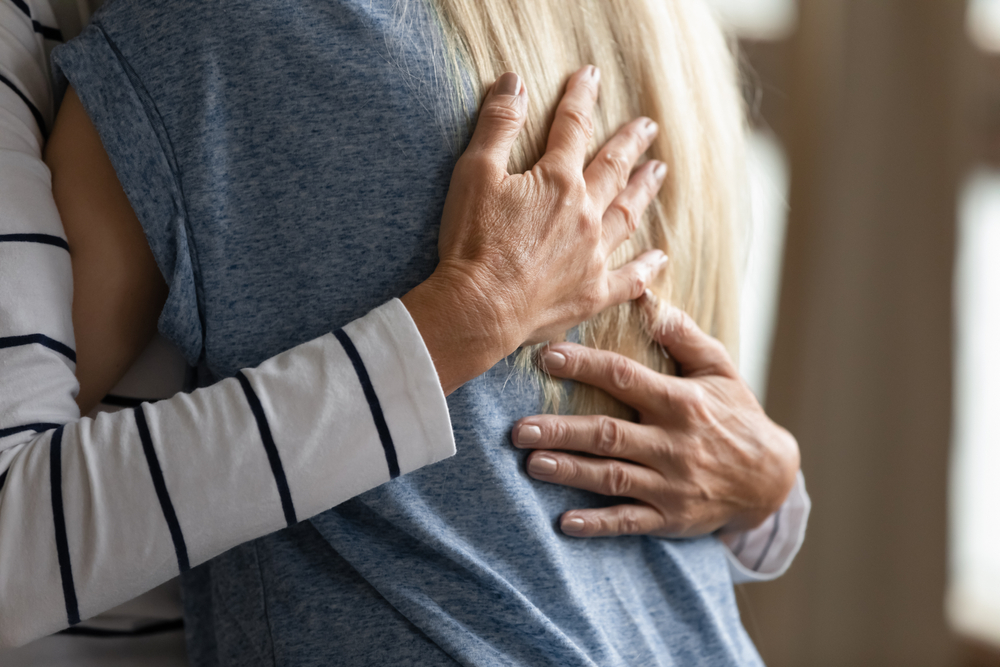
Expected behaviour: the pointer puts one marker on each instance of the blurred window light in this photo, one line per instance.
(982, 22)
(768, 174)
(973, 601)
(757, 19)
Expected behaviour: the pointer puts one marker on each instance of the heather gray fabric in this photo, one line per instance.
(289, 162)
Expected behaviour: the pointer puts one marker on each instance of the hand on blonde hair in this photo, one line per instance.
(524, 257)
(703, 456)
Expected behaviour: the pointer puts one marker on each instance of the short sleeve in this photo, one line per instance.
(135, 139)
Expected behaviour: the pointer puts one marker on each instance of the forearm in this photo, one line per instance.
(147, 492)
(209, 447)
(214, 469)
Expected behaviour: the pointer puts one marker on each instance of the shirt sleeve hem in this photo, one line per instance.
(781, 536)
(137, 143)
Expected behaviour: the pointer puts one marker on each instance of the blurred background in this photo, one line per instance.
(872, 321)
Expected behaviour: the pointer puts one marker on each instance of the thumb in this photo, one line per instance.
(501, 118)
(698, 353)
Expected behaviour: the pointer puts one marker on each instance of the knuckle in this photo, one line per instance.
(569, 470)
(605, 523)
(665, 394)
(627, 214)
(500, 115)
(690, 462)
(579, 121)
(579, 364)
(569, 185)
(618, 165)
(590, 225)
(628, 521)
(559, 433)
(688, 520)
(623, 373)
(696, 410)
(610, 439)
(638, 285)
(617, 481)
(591, 301)
(695, 403)
(575, 189)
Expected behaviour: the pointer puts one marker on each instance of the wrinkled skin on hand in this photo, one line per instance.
(524, 257)
(703, 457)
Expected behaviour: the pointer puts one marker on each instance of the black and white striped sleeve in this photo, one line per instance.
(36, 343)
(766, 552)
(96, 511)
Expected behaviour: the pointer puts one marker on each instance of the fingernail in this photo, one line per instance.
(650, 127)
(554, 360)
(508, 84)
(528, 434)
(649, 296)
(542, 465)
(573, 525)
(594, 74)
(660, 171)
(662, 260)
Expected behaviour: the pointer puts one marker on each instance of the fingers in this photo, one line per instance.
(629, 282)
(608, 477)
(696, 352)
(635, 519)
(608, 173)
(597, 434)
(662, 508)
(627, 380)
(500, 120)
(573, 127)
(624, 213)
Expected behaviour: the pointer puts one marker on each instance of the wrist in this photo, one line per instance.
(779, 479)
(465, 326)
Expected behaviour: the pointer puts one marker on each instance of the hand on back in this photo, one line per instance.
(703, 456)
(524, 257)
(540, 241)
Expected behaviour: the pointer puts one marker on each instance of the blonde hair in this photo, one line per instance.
(666, 59)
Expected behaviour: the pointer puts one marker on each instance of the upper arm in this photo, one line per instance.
(118, 291)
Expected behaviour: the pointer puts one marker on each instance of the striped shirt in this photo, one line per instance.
(94, 511)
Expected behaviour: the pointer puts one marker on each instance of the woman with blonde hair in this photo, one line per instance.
(236, 133)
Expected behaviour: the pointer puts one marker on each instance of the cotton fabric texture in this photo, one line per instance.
(94, 511)
(289, 162)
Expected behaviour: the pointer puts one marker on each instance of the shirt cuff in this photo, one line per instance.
(764, 553)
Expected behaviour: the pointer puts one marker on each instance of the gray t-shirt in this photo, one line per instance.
(289, 162)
